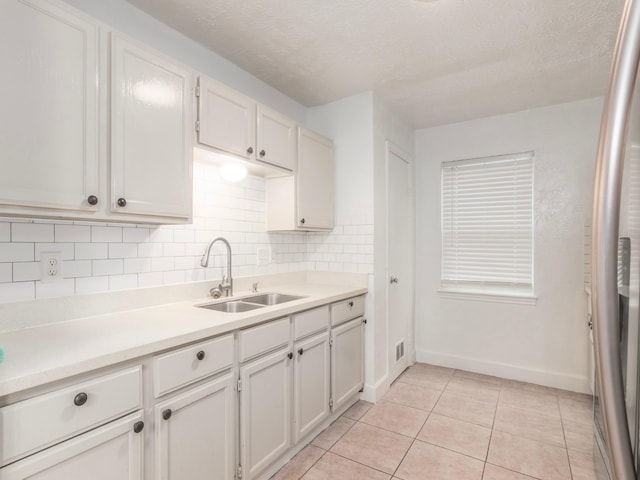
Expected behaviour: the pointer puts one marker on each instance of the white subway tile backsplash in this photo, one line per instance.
(77, 268)
(162, 264)
(137, 265)
(67, 250)
(91, 251)
(62, 288)
(72, 233)
(27, 271)
(5, 232)
(31, 232)
(17, 292)
(107, 267)
(6, 272)
(123, 250)
(135, 235)
(16, 252)
(91, 285)
(176, 276)
(153, 279)
(106, 234)
(150, 250)
(123, 282)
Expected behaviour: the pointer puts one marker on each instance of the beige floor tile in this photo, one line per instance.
(396, 418)
(372, 446)
(529, 387)
(582, 467)
(474, 389)
(334, 467)
(576, 410)
(583, 397)
(433, 368)
(492, 472)
(529, 424)
(425, 378)
(478, 376)
(546, 462)
(579, 436)
(464, 408)
(541, 402)
(412, 395)
(428, 462)
(462, 437)
(357, 410)
(299, 464)
(332, 434)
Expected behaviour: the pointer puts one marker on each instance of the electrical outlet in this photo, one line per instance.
(264, 255)
(51, 265)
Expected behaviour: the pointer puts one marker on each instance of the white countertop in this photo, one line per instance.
(38, 355)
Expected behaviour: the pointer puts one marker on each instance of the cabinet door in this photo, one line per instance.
(111, 452)
(49, 121)
(265, 411)
(276, 139)
(195, 433)
(347, 361)
(311, 384)
(226, 119)
(315, 182)
(150, 140)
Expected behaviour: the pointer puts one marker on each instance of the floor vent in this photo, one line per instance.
(399, 350)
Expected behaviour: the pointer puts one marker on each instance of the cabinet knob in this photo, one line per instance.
(92, 199)
(200, 355)
(166, 414)
(302, 221)
(138, 426)
(364, 321)
(290, 355)
(250, 150)
(300, 351)
(262, 153)
(122, 202)
(393, 280)
(80, 399)
(351, 304)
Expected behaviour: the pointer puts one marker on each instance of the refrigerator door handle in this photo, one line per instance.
(606, 211)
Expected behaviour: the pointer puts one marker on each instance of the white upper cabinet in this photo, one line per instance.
(226, 119)
(276, 139)
(49, 120)
(150, 132)
(304, 201)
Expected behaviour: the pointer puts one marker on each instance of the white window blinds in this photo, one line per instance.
(487, 223)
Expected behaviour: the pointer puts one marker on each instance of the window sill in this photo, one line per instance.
(488, 296)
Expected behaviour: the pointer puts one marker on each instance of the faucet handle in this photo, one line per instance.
(254, 287)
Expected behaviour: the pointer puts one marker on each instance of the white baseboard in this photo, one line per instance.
(575, 383)
(374, 392)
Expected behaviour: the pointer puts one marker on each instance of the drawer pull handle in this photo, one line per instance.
(138, 426)
(200, 355)
(166, 414)
(351, 304)
(80, 399)
(300, 351)
(290, 355)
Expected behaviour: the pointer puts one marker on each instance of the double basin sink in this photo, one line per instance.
(250, 303)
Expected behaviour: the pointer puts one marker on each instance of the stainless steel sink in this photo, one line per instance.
(271, 298)
(231, 307)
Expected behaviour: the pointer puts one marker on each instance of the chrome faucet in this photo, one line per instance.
(226, 285)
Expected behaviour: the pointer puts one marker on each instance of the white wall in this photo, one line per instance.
(546, 343)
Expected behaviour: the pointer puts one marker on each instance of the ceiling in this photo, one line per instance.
(432, 61)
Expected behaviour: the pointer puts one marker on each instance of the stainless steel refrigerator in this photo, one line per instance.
(616, 261)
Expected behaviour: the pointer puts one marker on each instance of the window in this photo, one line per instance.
(487, 225)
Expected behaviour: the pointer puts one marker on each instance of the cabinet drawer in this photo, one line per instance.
(311, 321)
(40, 421)
(186, 365)
(263, 338)
(346, 310)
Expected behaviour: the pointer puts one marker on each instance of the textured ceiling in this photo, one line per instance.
(432, 61)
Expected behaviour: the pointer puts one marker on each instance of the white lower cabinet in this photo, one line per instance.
(195, 433)
(265, 411)
(111, 452)
(347, 361)
(311, 384)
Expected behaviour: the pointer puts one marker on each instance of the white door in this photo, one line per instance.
(311, 384)
(314, 182)
(265, 411)
(276, 139)
(400, 272)
(347, 361)
(111, 452)
(150, 132)
(195, 433)
(226, 119)
(49, 122)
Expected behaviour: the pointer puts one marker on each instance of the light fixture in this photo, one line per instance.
(233, 172)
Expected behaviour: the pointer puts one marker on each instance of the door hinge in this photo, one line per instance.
(330, 402)
(197, 90)
(197, 125)
(330, 341)
(239, 472)
(239, 384)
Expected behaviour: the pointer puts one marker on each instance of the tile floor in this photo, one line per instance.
(438, 424)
